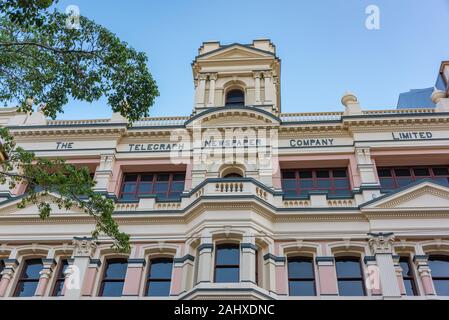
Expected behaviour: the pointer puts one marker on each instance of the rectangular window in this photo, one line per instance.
(159, 277)
(227, 263)
(301, 276)
(394, 178)
(163, 185)
(114, 278)
(349, 276)
(408, 277)
(301, 182)
(59, 284)
(29, 278)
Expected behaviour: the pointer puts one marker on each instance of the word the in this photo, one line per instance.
(302, 143)
(64, 145)
(411, 135)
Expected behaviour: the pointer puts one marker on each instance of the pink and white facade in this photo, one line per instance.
(240, 200)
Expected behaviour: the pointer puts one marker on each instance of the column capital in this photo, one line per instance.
(203, 76)
(84, 246)
(257, 74)
(267, 73)
(213, 76)
(381, 242)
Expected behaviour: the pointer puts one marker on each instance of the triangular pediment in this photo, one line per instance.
(9, 208)
(234, 52)
(426, 195)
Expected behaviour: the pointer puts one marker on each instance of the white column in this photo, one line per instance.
(205, 262)
(269, 88)
(381, 245)
(103, 174)
(257, 75)
(248, 263)
(201, 90)
(84, 248)
(212, 79)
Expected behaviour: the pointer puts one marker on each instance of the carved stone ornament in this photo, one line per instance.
(84, 246)
(381, 242)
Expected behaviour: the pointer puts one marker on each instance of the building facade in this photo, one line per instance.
(240, 200)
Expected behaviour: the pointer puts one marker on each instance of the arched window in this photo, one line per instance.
(227, 263)
(60, 278)
(235, 97)
(349, 276)
(29, 278)
(232, 175)
(301, 276)
(439, 268)
(159, 277)
(114, 278)
(408, 276)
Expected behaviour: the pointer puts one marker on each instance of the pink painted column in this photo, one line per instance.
(45, 275)
(398, 271)
(371, 264)
(188, 179)
(7, 275)
(90, 277)
(327, 276)
(133, 278)
(424, 273)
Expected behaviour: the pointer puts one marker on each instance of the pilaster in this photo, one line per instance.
(422, 265)
(7, 275)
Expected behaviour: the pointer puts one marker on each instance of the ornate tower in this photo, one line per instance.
(237, 75)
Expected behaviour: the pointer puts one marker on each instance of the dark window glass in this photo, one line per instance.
(159, 277)
(393, 178)
(235, 98)
(301, 276)
(60, 278)
(227, 263)
(301, 182)
(408, 277)
(439, 266)
(163, 185)
(29, 278)
(2, 267)
(114, 278)
(349, 276)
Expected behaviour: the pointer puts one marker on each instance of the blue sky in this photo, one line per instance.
(323, 44)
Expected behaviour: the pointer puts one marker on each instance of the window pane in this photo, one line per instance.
(341, 184)
(146, 178)
(228, 255)
(288, 175)
(161, 269)
(405, 266)
(387, 183)
(226, 274)
(158, 289)
(322, 174)
(161, 187)
(410, 287)
(402, 172)
(129, 187)
(179, 177)
(116, 270)
(130, 177)
(305, 174)
(300, 268)
(163, 177)
(421, 172)
(323, 184)
(348, 268)
(301, 288)
(177, 187)
(306, 184)
(128, 196)
(58, 288)
(384, 173)
(112, 289)
(404, 181)
(351, 288)
(32, 269)
(439, 266)
(443, 180)
(145, 187)
(288, 184)
(2, 267)
(440, 171)
(441, 287)
(339, 173)
(342, 192)
(26, 289)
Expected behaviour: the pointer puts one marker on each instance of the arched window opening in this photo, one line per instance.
(232, 175)
(235, 97)
(114, 278)
(159, 277)
(439, 266)
(227, 263)
(349, 276)
(29, 278)
(301, 276)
